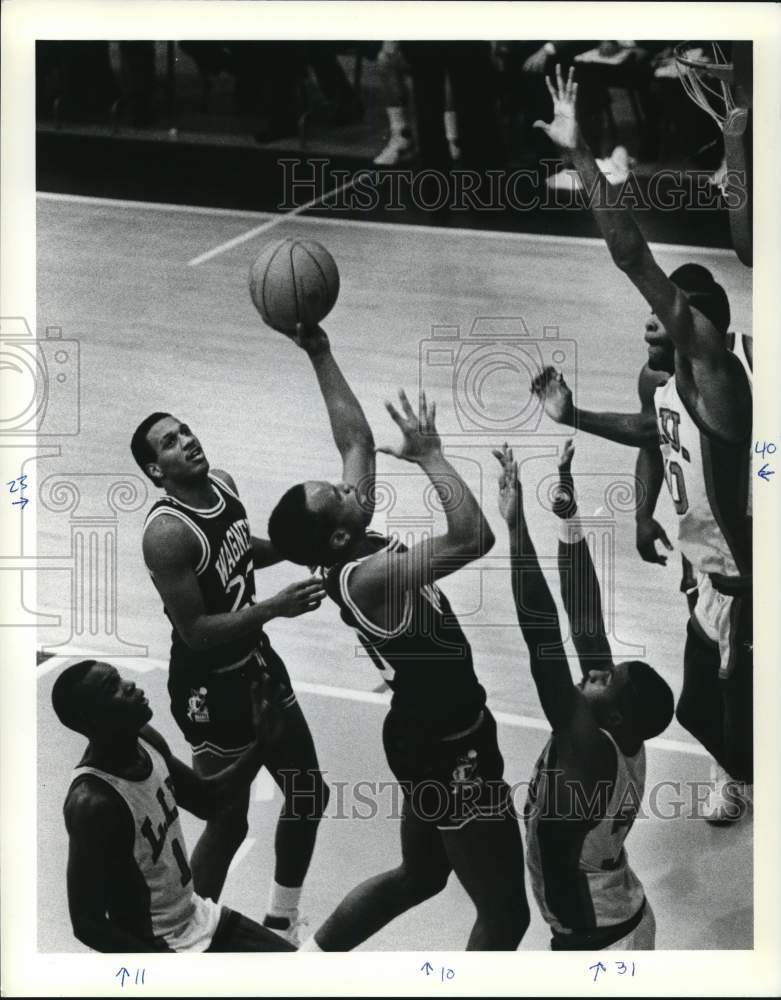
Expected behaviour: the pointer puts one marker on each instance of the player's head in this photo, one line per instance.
(92, 698)
(315, 523)
(706, 295)
(630, 698)
(167, 451)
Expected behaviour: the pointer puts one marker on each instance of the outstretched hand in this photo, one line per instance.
(554, 394)
(510, 499)
(563, 130)
(421, 439)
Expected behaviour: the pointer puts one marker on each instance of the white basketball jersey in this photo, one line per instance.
(710, 484)
(156, 898)
(579, 869)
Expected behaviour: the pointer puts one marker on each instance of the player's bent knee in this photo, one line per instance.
(505, 921)
(420, 885)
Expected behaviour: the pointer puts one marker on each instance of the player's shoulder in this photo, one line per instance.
(168, 534)
(225, 479)
(92, 802)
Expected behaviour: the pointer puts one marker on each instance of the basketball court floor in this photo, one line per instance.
(157, 298)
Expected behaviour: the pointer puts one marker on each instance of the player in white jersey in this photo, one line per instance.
(707, 401)
(589, 780)
(130, 887)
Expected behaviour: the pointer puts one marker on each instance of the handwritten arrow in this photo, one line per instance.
(427, 968)
(22, 500)
(765, 472)
(122, 973)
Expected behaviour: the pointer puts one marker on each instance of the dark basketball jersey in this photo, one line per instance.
(151, 894)
(425, 659)
(225, 570)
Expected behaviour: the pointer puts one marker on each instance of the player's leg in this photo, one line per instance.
(423, 873)
(482, 839)
(293, 764)
(235, 933)
(580, 590)
(700, 708)
(222, 836)
(738, 694)
(487, 857)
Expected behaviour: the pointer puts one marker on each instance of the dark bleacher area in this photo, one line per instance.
(209, 123)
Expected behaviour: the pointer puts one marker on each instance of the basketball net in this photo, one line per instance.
(706, 75)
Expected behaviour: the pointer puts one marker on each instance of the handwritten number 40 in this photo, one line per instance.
(766, 447)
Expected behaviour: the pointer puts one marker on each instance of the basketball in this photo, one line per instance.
(293, 281)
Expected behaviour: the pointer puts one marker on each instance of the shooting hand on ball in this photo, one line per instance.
(421, 440)
(312, 339)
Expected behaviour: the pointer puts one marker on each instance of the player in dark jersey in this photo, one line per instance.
(439, 736)
(703, 414)
(130, 884)
(588, 783)
(201, 555)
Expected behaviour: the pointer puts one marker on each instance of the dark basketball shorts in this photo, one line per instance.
(721, 629)
(235, 932)
(449, 781)
(213, 708)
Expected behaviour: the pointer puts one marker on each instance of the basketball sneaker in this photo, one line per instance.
(728, 801)
(400, 149)
(290, 928)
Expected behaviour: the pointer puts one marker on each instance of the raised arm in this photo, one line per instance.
(100, 837)
(702, 356)
(582, 750)
(171, 553)
(649, 475)
(578, 581)
(352, 434)
(468, 535)
(634, 429)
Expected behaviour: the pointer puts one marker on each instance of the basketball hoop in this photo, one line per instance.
(708, 78)
(706, 75)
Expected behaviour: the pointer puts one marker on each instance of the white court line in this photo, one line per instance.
(270, 224)
(145, 664)
(402, 227)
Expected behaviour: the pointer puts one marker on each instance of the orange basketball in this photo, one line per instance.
(293, 281)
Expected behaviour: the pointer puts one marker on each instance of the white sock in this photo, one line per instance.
(310, 945)
(571, 530)
(451, 126)
(397, 119)
(283, 900)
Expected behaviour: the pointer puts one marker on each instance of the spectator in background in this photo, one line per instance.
(345, 107)
(470, 68)
(401, 146)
